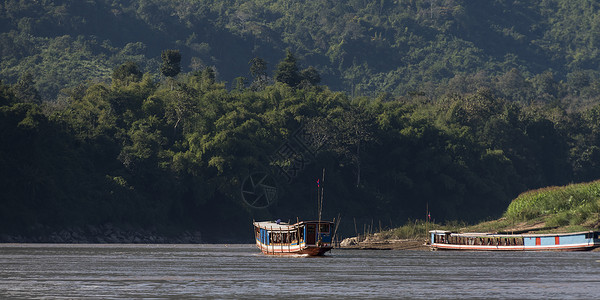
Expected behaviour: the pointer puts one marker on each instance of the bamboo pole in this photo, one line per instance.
(427, 219)
(270, 242)
(337, 223)
(298, 236)
(355, 230)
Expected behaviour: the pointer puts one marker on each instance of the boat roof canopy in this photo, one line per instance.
(272, 225)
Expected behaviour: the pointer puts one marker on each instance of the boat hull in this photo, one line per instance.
(513, 248)
(576, 241)
(294, 250)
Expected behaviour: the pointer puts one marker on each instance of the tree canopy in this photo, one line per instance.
(360, 47)
(455, 105)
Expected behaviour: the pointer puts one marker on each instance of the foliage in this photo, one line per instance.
(573, 204)
(456, 105)
(171, 63)
(287, 71)
(126, 73)
(530, 51)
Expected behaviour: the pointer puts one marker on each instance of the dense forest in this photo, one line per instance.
(363, 47)
(204, 115)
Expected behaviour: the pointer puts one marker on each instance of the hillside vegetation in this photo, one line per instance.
(570, 208)
(576, 205)
(525, 50)
(172, 115)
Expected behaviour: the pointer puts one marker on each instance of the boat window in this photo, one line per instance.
(589, 235)
(324, 228)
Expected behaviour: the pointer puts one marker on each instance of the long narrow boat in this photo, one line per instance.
(311, 238)
(577, 241)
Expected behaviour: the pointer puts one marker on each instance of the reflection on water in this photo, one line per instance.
(240, 271)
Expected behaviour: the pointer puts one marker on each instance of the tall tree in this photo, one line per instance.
(258, 70)
(25, 89)
(208, 77)
(6, 94)
(171, 63)
(287, 70)
(126, 73)
(311, 76)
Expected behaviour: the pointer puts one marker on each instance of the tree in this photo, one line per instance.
(287, 70)
(25, 89)
(344, 133)
(545, 86)
(310, 76)
(258, 70)
(6, 94)
(208, 77)
(239, 83)
(513, 85)
(355, 127)
(126, 73)
(171, 63)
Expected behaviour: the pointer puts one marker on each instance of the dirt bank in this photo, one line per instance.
(408, 244)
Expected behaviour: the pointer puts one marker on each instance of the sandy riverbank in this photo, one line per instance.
(406, 244)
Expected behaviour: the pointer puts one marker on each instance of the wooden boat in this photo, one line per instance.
(310, 238)
(577, 241)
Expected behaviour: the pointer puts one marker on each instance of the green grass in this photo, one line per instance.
(571, 208)
(574, 204)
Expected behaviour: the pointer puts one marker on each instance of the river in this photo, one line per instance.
(45, 271)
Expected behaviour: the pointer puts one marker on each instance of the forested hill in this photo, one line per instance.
(172, 116)
(363, 47)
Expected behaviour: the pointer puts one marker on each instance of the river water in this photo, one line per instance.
(241, 271)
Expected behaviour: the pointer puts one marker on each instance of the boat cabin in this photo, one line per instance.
(280, 237)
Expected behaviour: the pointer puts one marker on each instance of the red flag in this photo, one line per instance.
(318, 183)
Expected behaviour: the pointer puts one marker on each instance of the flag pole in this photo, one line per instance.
(427, 220)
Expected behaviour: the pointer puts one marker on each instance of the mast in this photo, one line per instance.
(321, 201)
(320, 205)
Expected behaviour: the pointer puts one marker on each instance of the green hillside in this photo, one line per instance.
(570, 208)
(522, 49)
(203, 115)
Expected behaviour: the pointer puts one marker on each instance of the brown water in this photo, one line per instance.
(240, 271)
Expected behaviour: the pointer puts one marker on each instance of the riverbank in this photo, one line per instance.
(103, 234)
(378, 242)
(391, 239)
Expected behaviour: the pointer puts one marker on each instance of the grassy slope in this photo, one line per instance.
(575, 207)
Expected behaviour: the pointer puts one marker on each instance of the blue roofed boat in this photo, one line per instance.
(577, 241)
(310, 238)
